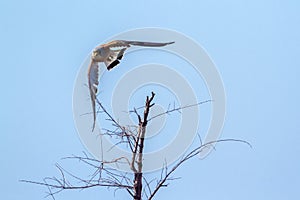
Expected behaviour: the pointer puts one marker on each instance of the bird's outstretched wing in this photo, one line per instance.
(127, 43)
(93, 75)
(148, 44)
(117, 49)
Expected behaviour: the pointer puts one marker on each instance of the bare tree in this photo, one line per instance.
(135, 183)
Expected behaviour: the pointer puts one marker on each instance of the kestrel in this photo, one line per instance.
(110, 53)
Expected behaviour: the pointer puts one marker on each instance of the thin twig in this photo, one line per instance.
(178, 109)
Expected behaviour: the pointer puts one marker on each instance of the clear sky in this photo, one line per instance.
(254, 44)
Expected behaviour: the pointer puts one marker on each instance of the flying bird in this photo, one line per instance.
(110, 54)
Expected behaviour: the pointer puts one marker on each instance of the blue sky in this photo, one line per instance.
(254, 44)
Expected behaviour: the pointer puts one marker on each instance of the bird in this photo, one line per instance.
(110, 54)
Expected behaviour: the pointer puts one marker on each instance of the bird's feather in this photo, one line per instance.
(93, 76)
(114, 58)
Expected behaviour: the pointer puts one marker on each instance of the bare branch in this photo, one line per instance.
(109, 115)
(174, 109)
(190, 155)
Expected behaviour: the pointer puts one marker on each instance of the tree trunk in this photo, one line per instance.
(138, 186)
(138, 174)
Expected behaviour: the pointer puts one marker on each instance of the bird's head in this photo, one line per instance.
(97, 55)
